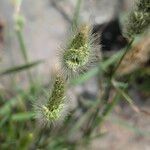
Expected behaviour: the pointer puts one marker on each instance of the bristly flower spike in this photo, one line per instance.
(80, 51)
(143, 5)
(139, 19)
(138, 22)
(52, 110)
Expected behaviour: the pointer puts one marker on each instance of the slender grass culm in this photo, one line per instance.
(19, 21)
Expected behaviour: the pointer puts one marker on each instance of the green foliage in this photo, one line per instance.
(19, 128)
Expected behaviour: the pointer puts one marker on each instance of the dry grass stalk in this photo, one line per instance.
(136, 57)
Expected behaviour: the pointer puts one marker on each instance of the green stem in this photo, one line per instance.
(19, 22)
(118, 64)
(23, 51)
(99, 120)
(22, 45)
(126, 97)
(75, 20)
(95, 121)
(109, 107)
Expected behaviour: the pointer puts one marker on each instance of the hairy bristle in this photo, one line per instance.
(52, 109)
(143, 5)
(139, 19)
(80, 51)
(138, 22)
(57, 94)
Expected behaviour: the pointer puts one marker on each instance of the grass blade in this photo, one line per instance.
(20, 68)
(22, 116)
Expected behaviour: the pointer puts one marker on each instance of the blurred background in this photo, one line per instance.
(46, 24)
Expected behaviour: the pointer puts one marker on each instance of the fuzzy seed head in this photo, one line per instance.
(79, 51)
(75, 58)
(138, 22)
(143, 5)
(57, 94)
(81, 38)
(139, 18)
(52, 110)
(54, 114)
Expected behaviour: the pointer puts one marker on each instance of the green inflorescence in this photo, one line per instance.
(52, 110)
(139, 19)
(143, 5)
(53, 114)
(75, 58)
(79, 40)
(78, 52)
(76, 55)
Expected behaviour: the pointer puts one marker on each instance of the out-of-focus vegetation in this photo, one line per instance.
(117, 74)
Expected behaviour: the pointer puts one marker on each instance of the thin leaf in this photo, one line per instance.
(8, 106)
(126, 97)
(23, 116)
(20, 68)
